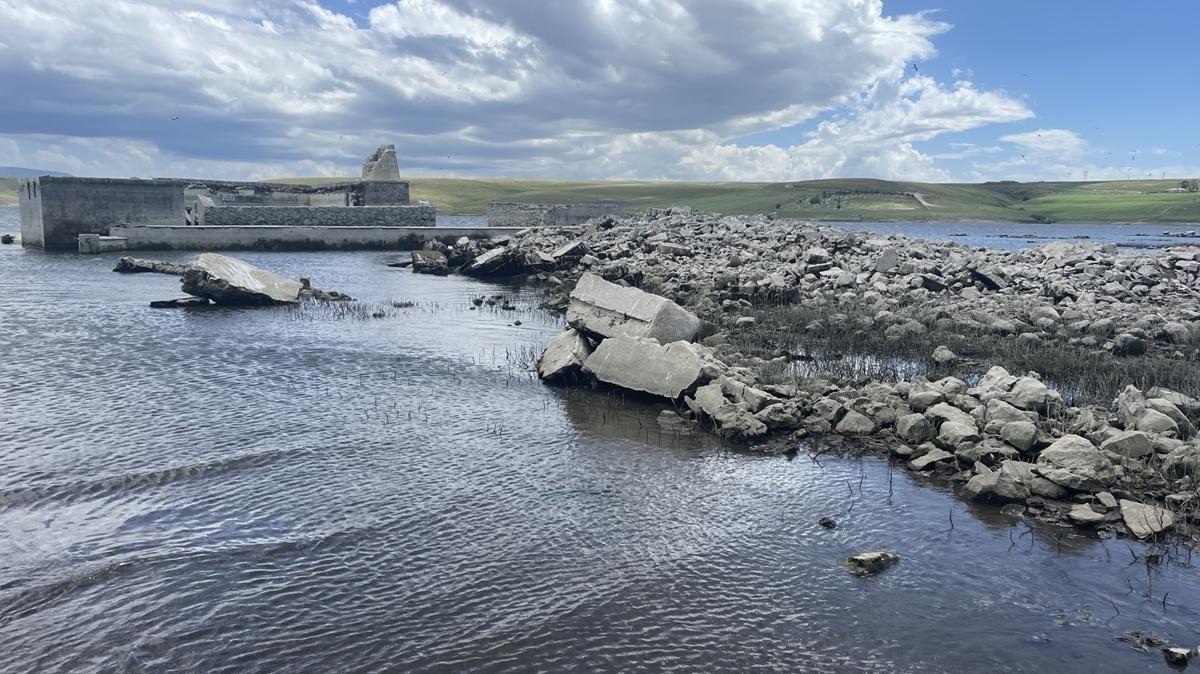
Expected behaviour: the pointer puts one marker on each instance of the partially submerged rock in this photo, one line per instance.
(180, 303)
(1145, 520)
(226, 280)
(430, 262)
(564, 356)
(609, 310)
(647, 366)
(871, 563)
(133, 265)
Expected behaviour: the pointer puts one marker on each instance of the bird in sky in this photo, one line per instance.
(175, 118)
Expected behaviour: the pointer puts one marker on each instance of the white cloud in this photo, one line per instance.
(1057, 142)
(614, 88)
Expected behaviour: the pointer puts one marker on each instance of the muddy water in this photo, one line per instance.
(276, 490)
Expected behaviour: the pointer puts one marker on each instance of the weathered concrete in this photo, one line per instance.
(564, 356)
(91, 244)
(647, 366)
(226, 280)
(183, 237)
(430, 262)
(322, 216)
(133, 265)
(56, 210)
(382, 164)
(512, 214)
(609, 310)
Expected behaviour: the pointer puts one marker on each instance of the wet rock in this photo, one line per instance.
(871, 563)
(732, 419)
(430, 262)
(645, 365)
(1177, 657)
(226, 280)
(133, 265)
(915, 429)
(669, 421)
(827, 523)
(1083, 515)
(608, 310)
(563, 356)
(1074, 462)
(180, 303)
(7, 239)
(931, 457)
(1144, 520)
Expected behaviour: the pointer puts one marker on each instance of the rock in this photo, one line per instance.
(180, 303)
(669, 421)
(1083, 515)
(133, 265)
(563, 356)
(1177, 657)
(732, 419)
(915, 429)
(645, 365)
(601, 308)
(929, 458)
(226, 280)
(944, 356)
(888, 260)
(950, 413)
(1132, 444)
(7, 239)
(1028, 393)
(755, 399)
(430, 262)
(1107, 500)
(499, 261)
(1145, 520)
(871, 563)
(1075, 463)
(953, 435)
(827, 523)
(1126, 344)
(854, 423)
(1019, 434)
(780, 416)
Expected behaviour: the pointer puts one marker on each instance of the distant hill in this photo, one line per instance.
(22, 172)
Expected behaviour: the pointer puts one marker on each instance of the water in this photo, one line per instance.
(1002, 235)
(274, 490)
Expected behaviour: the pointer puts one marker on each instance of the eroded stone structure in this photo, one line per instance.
(381, 165)
(512, 214)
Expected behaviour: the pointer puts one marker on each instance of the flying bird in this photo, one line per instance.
(916, 69)
(175, 118)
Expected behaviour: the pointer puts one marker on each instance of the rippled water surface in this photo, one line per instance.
(297, 490)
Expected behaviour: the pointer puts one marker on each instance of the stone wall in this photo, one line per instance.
(56, 210)
(323, 216)
(384, 193)
(511, 214)
(199, 237)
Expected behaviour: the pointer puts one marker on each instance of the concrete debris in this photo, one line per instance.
(430, 262)
(609, 310)
(133, 265)
(226, 280)
(647, 366)
(564, 356)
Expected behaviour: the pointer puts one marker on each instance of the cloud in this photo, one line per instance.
(609, 89)
(1057, 142)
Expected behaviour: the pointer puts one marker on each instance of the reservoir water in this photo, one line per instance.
(317, 490)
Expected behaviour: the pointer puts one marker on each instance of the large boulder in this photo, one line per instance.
(645, 365)
(226, 280)
(564, 356)
(606, 309)
(1075, 463)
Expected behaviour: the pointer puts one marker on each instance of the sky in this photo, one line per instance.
(746, 90)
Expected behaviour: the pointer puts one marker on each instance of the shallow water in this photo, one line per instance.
(268, 490)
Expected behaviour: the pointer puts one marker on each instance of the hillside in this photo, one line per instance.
(833, 199)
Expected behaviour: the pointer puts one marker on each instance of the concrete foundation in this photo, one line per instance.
(201, 237)
(91, 244)
(512, 214)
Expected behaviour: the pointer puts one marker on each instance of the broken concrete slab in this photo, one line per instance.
(564, 356)
(430, 262)
(609, 310)
(647, 366)
(133, 265)
(227, 280)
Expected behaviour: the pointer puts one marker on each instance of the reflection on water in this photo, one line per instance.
(239, 490)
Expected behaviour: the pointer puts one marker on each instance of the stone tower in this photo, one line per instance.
(381, 165)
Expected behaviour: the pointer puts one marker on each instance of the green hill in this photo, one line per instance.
(832, 199)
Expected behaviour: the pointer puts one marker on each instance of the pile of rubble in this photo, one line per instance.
(1133, 467)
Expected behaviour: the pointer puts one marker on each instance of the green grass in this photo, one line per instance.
(832, 199)
(8, 191)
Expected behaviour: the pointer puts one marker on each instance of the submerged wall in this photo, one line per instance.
(56, 210)
(320, 216)
(511, 214)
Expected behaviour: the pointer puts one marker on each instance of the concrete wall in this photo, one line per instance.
(199, 237)
(510, 214)
(384, 193)
(324, 216)
(64, 208)
(31, 212)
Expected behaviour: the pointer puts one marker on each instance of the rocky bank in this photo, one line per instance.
(1126, 467)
